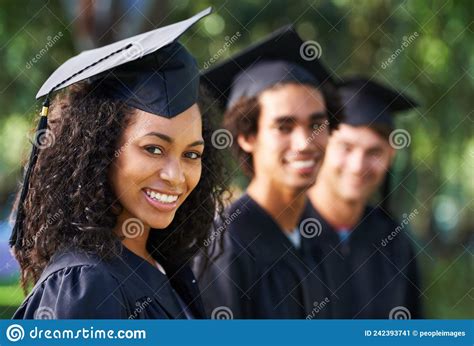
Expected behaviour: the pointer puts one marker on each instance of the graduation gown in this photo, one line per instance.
(372, 279)
(260, 273)
(75, 285)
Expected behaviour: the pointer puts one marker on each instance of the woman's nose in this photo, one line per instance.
(172, 172)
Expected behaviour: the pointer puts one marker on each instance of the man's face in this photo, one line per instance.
(357, 159)
(293, 131)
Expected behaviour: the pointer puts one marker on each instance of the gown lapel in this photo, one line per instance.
(273, 245)
(149, 282)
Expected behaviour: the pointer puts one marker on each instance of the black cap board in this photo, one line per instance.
(149, 71)
(280, 57)
(368, 102)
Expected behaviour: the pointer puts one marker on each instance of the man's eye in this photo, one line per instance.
(317, 126)
(375, 153)
(284, 128)
(154, 150)
(346, 147)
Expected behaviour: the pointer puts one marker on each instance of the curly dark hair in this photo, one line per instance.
(242, 119)
(70, 201)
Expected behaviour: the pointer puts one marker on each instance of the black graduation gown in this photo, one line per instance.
(260, 273)
(370, 278)
(79, 286)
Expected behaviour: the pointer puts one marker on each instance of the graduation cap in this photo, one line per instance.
(367, 102)
(278, 58)
(150, 71)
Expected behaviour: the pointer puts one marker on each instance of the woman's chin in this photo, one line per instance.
(162, 223)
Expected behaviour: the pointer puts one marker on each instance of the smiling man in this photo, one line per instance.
(370, 259)
(279, 112)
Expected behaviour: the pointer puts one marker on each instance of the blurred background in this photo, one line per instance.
(424, 48)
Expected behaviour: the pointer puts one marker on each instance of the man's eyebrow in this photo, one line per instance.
(318, 116)
(285, 119)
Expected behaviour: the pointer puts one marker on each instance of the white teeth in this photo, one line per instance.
(302, 164)
(161, 197)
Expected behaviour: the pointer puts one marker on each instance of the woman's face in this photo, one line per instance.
(157, 165)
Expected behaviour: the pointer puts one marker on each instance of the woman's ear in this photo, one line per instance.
(246, 143)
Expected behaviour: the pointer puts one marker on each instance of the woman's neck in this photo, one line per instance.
(135, 236)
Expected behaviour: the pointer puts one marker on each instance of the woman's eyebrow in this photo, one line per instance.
(170, 140)
(160, 135)
(196, 143)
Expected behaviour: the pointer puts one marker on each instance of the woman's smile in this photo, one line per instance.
(161, 200)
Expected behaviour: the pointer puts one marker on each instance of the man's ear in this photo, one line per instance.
(392, 154)
(246, 143)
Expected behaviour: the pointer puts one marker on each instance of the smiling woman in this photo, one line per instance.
(135, 183)
(160, 167)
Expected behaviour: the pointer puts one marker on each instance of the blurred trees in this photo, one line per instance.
(432, 175)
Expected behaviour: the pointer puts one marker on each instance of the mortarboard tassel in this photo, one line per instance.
(17, 233)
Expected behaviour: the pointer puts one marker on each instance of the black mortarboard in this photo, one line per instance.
(367, 102)
(280, 57)
(150, 71)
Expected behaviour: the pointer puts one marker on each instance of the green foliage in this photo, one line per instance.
(448, 286)
(434, 174)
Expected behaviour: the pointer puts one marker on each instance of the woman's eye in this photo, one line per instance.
(154, 150)
(193, 155)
